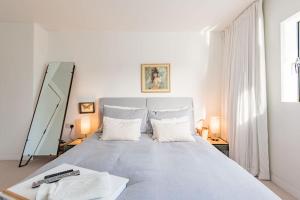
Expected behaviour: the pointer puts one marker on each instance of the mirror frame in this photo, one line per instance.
(65, 113)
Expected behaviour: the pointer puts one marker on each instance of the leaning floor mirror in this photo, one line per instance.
(49, 115)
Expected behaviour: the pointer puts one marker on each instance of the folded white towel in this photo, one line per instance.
(82, 187)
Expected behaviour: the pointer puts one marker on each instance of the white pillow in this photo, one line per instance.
(121, 129)
(172, 130)
(167, 120)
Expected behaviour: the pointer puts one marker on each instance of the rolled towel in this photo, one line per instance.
(82, 187)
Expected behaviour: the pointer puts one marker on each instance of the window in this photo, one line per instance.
(298, 34)
(297, 63)
(290, 59)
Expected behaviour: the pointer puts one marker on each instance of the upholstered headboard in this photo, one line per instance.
(151, 103)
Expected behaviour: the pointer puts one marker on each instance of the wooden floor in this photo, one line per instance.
(11, 174)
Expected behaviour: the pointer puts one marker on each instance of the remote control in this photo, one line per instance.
(59, 173)
(55, 178)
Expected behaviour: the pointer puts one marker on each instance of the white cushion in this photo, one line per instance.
(172, 130)
(167, 120)
(121, 129)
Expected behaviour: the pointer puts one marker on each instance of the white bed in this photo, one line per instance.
(173, 170)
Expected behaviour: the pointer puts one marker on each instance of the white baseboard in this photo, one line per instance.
(286, 186)
(10, 157)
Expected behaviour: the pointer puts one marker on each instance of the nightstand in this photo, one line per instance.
(221, 145)
(63, 147)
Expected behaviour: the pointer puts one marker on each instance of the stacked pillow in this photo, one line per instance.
(172, 130)
(123, 123)
(171, 125)
(119, 112)
(168, 114)
(127, 123)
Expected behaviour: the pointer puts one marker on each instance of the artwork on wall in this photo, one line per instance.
(155, 78)
(86, 107)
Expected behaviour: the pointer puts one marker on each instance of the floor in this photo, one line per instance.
(10, 174)
(280, 192)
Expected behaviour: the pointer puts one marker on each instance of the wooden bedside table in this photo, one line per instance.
(221, 145)
(63, 147)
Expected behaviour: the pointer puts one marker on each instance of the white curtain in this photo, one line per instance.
(244, 94)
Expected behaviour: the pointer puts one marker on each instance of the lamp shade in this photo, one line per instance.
(214, 125)
(85, 125)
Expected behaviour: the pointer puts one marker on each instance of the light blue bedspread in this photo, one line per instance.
(177, 170)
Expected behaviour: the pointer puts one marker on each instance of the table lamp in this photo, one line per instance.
(214, 127)
(85, 125)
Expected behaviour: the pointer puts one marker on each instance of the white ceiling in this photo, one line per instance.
(124, 15)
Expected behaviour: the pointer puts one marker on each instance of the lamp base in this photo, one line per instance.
(214, 137)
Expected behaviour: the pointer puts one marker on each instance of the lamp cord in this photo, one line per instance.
(70, 133)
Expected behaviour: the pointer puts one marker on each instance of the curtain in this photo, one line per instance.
(244, 106)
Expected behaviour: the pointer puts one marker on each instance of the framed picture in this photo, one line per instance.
(86, 107)
(155, 78)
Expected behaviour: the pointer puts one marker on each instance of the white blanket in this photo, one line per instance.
(82, 187)
(167, 171)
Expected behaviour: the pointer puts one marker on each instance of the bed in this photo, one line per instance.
(173, 170)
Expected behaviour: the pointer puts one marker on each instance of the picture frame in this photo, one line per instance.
(155, 78)
(86, 107)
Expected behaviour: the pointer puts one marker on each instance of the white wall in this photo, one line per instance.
(213, 81)
(16, 87)
(40, 57)
(108, 65)
(23, 55)
(284, 127)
